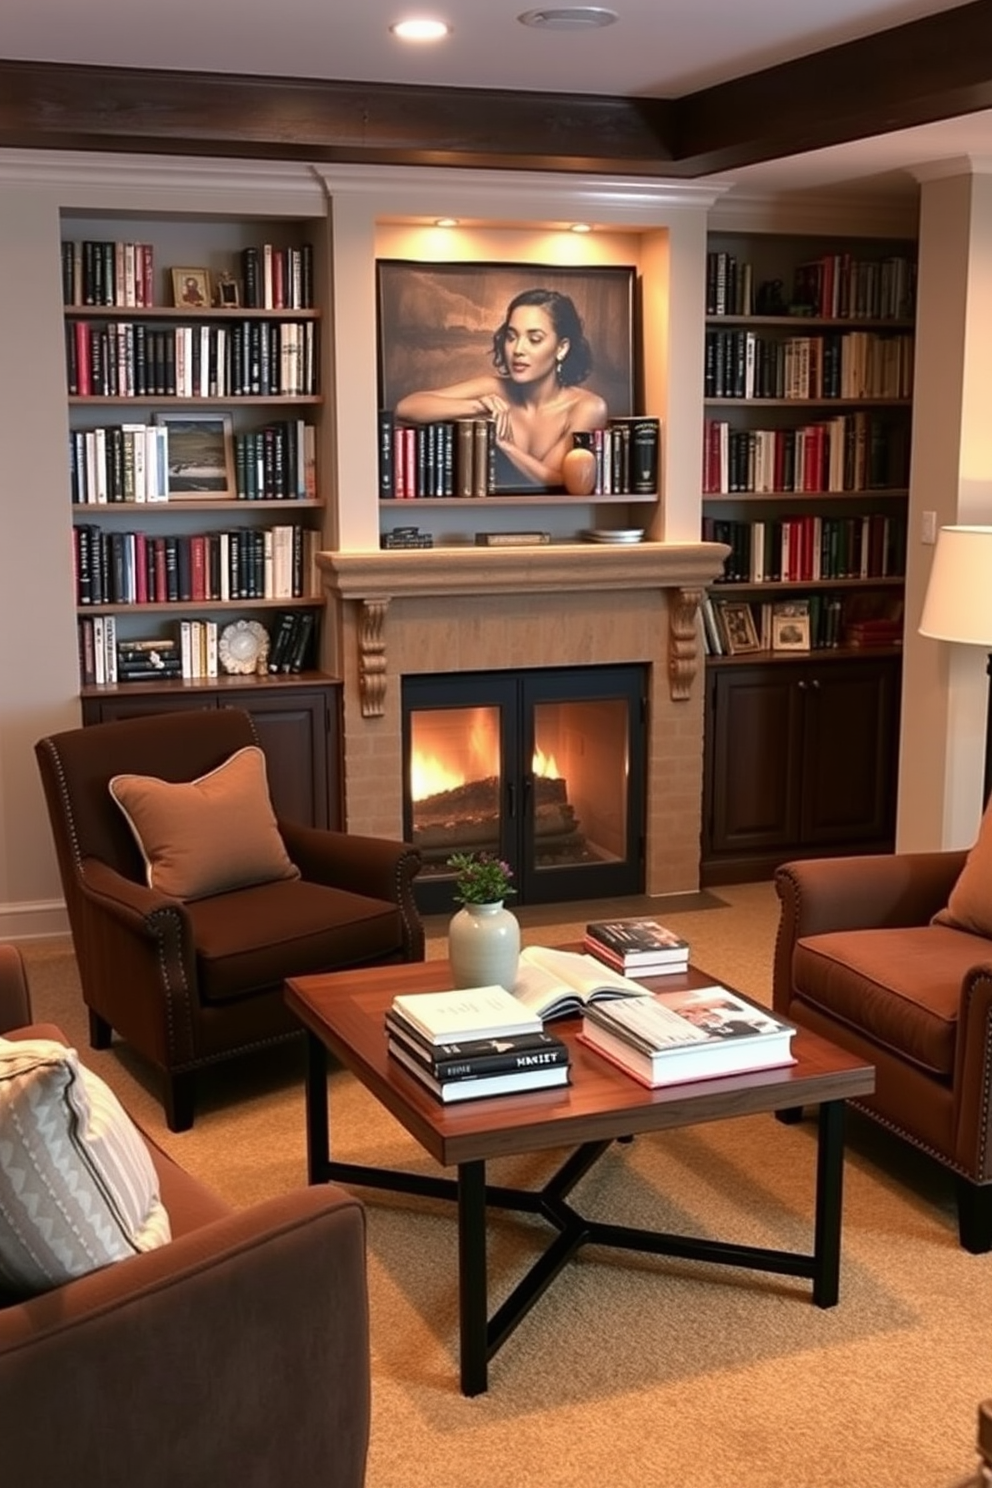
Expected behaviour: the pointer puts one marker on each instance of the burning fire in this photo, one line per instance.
(545, 765)
(429, 776)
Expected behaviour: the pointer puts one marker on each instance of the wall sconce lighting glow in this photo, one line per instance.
(420, 29)
(580, 227)
(445, 221)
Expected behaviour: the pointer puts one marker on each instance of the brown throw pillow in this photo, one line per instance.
(969, 906)
(206, 836)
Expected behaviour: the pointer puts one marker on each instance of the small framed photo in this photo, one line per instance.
(191, 288)
(200, 460)
(227, 292)
(738, 625)
(790, 626)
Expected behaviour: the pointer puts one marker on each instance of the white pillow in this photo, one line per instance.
(77, 1186)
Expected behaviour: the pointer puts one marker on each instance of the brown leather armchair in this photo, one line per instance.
(189, 983)
(237, 1353)
(858, 961)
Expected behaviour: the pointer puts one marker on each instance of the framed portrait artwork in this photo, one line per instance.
(535, 350)
(739, 627)
(200, 462)
(191, 288)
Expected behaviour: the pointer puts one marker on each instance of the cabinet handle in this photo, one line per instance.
(801, 685)
(815, 684)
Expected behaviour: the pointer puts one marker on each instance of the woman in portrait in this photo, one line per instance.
(533, 395)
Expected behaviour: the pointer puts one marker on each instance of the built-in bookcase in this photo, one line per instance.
(195, 366)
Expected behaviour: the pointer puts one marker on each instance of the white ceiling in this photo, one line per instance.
(658, 48)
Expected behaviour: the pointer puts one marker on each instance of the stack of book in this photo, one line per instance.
(475, 1042)
(637, 947)
(672, 1038)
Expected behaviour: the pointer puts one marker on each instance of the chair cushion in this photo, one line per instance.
(209, 835)
(969, 906)
(257, 937)
(901, 987)
(78, 1189)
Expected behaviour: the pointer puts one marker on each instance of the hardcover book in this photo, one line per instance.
(558, 984)
(637, 943)
(468, 1013)
(510, 1082)
(467, 1058)
(670, 1038)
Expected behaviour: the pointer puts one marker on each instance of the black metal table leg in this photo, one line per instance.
(473, 1303)
(829, 1202)
(318, 1133)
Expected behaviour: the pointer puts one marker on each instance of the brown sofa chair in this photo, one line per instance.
(237, 1354)
(858, 960)
(189, 983)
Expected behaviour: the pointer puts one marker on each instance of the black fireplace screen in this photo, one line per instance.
(542, 768)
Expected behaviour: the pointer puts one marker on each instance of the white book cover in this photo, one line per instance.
(471, 1012)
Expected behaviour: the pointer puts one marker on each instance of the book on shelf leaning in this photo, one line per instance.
(671, 1038)
(637, 944)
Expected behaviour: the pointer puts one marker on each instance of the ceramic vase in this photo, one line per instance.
(484, 946)
(578, 472)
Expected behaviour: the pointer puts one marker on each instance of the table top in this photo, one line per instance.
(346, 1009)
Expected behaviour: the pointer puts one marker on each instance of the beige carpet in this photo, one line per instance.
(633, 1371)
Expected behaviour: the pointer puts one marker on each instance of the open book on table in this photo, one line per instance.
(559, 984)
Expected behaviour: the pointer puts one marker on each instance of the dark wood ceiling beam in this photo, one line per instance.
(935, 68)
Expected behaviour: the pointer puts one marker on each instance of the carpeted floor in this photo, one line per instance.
(633, 1371)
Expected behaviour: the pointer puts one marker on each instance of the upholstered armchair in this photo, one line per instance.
(188, 918)
(236, 1353)
(860, 960)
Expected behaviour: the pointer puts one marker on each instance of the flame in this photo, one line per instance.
(545, 765)
(429, 776)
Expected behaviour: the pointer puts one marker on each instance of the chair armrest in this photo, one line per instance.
(972, 1083)
(875, 891)
(381, 867)
(237, 1353)
(15, 999)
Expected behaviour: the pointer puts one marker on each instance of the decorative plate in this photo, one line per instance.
(243, 645)
(614, 534)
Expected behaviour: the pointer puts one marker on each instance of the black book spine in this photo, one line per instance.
(387, 439)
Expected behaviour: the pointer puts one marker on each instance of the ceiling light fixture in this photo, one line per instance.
(445, 221)
(569, 18)
(420, 29)
(580, 227)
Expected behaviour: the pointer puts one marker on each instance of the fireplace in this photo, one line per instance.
(396, 615)
(543, 767)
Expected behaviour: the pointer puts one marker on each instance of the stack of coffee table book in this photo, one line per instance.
(637, 946)
(475, 1042)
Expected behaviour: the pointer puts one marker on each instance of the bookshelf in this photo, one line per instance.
(808, 375)
(195, 446)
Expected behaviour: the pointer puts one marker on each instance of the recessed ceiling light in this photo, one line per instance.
(445, 221)
(420, 29)
(569, 18)
(580, 227)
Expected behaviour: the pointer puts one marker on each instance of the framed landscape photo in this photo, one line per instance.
(790, 626)
(191, 288)
(533, 347)
(200, 456)
(739, 629)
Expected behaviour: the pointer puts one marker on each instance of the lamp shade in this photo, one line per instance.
(958, 603)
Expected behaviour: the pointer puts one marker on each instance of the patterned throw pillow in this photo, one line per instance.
(206, 836)
(77, 1186)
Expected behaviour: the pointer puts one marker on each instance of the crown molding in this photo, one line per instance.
(847, 213)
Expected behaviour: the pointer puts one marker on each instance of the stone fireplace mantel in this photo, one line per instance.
(395, 613)
(374, 579)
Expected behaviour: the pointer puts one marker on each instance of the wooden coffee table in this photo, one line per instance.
(343, 1012)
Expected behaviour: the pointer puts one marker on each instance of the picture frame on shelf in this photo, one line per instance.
(790, 626)
(739, 628)
(227, 292)
(444, 326)
(200, 460)
(191, 289)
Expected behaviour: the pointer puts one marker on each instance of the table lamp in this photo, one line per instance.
(958, 603)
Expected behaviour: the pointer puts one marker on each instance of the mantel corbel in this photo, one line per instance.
(683, 641)
(372, 664)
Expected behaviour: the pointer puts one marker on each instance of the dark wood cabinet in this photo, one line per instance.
(298, 724)
(801, 760)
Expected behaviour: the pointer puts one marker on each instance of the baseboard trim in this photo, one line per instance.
(33, 921)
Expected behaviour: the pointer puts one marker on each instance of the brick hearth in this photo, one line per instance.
(392, 614)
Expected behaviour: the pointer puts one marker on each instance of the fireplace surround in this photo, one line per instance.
(392, 614)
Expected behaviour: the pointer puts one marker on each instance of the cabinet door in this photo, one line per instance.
(753, 743)
(850, 726)
(293, 730)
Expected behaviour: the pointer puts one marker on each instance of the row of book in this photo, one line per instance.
(833, 364)
(132, 567)
(857, 451)
(130, 463)
(248, 358)
(190, 655)
(812, 623)
(457, 457)
(804, 548)
(122, 274)
(834, 286)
